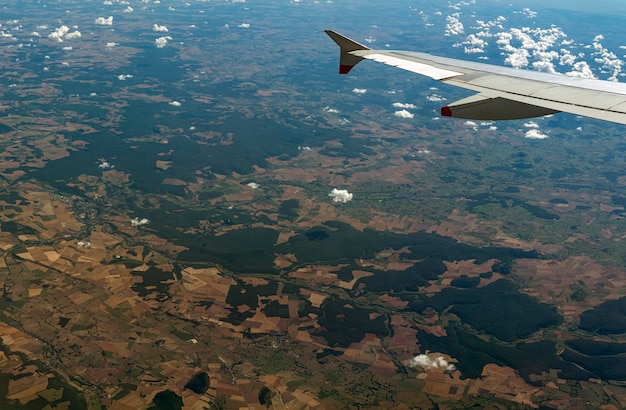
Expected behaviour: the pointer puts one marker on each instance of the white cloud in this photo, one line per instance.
(403, 114)
(175, 103)
(581, 69)
(138, 222)
(531, 124)
(83, 244)
(330, 110)
(128, 9)
(123, 77)
(544, 66)
(471, 124)
(427, 363)
(404, 105)
(521, 44)
(59, 33)
(517, 58)
(359, 90)
(105, 165)
(434, 98)
(73, 34)
(244, 25)
(567, 58)
(474, 44)
(535, 134)
(253, 185)
(162, 41)
(111, 45)
(156, 27)
(454, 26)
(529, 13)
(610, 64)
(340, 195)
(108, 21)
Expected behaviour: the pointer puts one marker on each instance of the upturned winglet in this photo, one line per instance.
(346, 60)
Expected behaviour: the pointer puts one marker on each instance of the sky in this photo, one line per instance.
(597, 6)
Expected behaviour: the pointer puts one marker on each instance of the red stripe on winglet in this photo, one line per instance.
(345, 69)
(446, 111)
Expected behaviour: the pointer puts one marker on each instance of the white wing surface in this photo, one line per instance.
(504, 93)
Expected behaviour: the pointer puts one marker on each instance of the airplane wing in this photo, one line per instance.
(503, 93)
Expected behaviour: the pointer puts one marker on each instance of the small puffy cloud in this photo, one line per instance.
(253, 185)
(535, 134)
(123, 77)
(59, 33)
(175, 103)
(68, 48)
(340, 195)
(139, 222)
(330, 110)
(454, 26)
(566, 57)
(427, 363)
(162, 29)
(471, 124)
(244, 25)
(531, 124)
(110, 45)
(474, 44)
(83, 244)
(128, 9)
(434, 98)
(73, 34)
(63, 32)
(529, 13)
(581, 69)
(162, 41)
(403, 105)
(105, 165)
(359, 90)
(403, 114)
(108, 21)
(608, 60)
(518, 58)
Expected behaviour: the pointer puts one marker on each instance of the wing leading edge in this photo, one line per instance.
(504, 93)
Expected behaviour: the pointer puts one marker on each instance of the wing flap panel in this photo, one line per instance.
(578, 96)
(509, 84)
(431, 71)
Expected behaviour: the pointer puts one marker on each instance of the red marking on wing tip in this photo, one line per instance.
(446, 111)
(345, 69)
